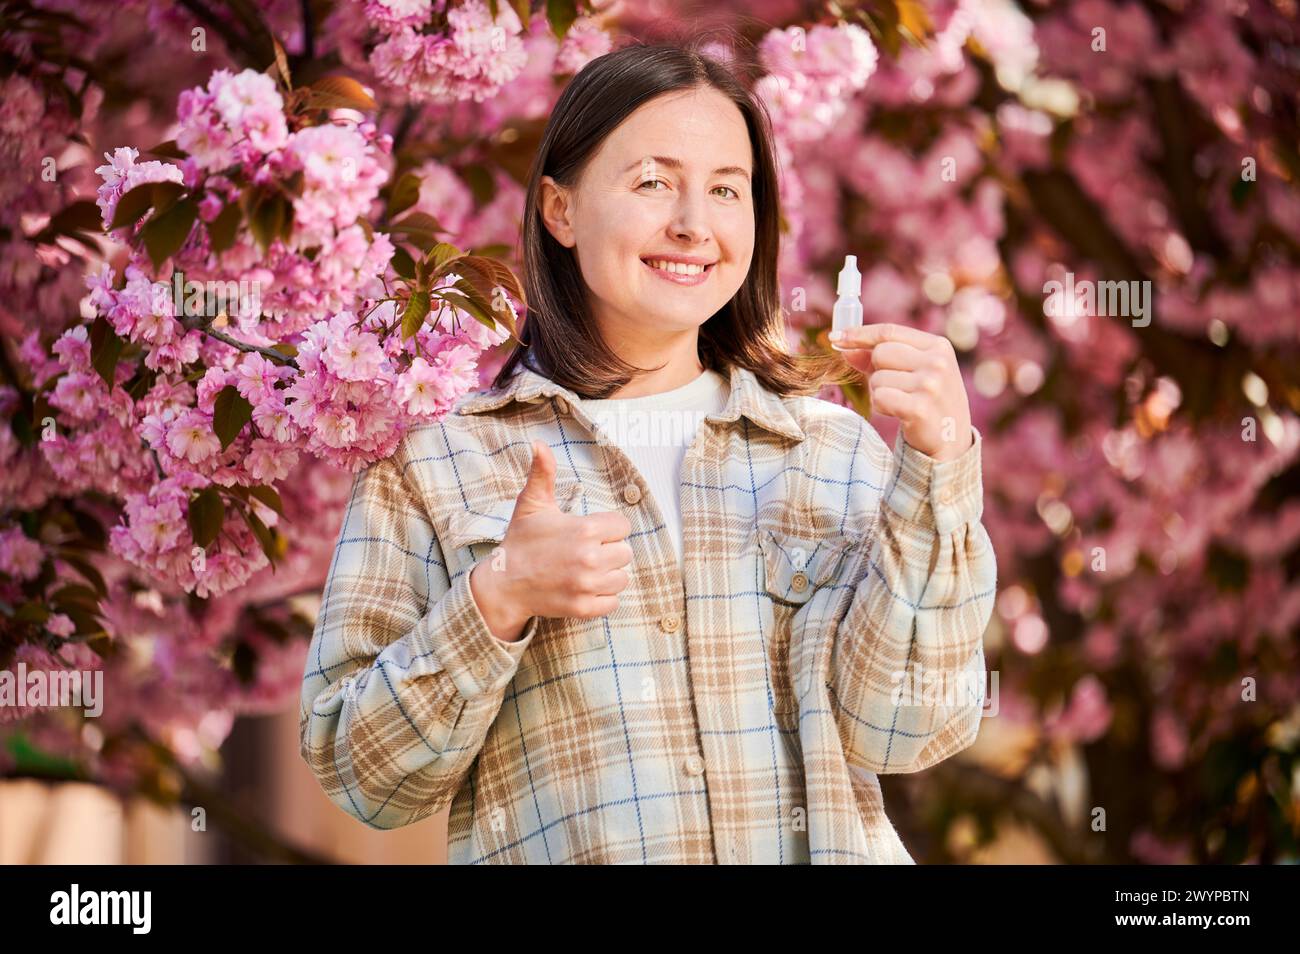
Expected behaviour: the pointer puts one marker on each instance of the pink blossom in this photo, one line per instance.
(191, 436)
(355, 357)
(121, 174)
(417, 388)
(20, 556)
(60, 624)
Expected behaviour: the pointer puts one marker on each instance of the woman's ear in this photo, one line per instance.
(557, 209)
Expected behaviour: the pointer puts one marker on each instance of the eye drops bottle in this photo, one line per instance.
(848, 306)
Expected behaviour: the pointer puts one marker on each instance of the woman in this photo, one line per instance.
(601, 646)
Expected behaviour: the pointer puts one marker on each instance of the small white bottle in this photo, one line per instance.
(848, 306)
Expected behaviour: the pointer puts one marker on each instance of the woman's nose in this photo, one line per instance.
(688, 220)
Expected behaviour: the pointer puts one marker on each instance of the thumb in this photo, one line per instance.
(539, 488)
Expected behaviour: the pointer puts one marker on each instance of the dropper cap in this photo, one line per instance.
(850, 279)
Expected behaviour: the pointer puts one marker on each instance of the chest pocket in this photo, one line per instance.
(475, 535)
(796, 567)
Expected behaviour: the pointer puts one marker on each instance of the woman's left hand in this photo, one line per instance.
(913, 376)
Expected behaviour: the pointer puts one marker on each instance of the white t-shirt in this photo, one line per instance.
(656, 430)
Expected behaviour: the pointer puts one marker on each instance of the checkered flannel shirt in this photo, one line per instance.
(736, 708)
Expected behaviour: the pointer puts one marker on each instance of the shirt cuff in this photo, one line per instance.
(942, 496)
(477, 661)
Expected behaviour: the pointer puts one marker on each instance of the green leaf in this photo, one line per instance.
(268, 496)
(230, 413)
(30, 760)
(495, 250)
(264, 535)
(422, 227)
(480, 183)
(417, 309)
(88, 570)
(80, 216)
(524, 10)
(222, 229)
(561, 14)
(485, 275)
(469, 303)
(207, 514)
(266, 221)
(74, 596)
(157, 195)
(406, 192)
(105, 349)
(166, 231)
(281, 63)
(32, 612)
(168, 150)
(339, 92)
(441, 254)
(403, 264)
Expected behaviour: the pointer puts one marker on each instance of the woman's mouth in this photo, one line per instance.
(678, 273)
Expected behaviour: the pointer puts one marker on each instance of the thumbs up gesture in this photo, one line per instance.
(556, 564)
(913, 376)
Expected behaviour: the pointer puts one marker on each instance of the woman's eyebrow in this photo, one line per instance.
(676, 164)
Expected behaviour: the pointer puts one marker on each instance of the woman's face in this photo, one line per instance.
(672, 182)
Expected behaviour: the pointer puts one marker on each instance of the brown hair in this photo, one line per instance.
(559, 334)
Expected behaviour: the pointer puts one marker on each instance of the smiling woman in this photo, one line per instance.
(639, 644)
(651, 232)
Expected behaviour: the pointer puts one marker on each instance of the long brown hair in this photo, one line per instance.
(561, 337)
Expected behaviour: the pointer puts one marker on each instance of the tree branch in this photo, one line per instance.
(221, 336)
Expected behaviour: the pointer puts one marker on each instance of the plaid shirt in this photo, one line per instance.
(736, 708)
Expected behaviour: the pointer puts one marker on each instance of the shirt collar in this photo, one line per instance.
(748, 397)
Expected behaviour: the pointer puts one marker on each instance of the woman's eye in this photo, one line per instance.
(652, 182)
(731, 190)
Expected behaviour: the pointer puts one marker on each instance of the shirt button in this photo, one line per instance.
(694, 765)
(799, 581)
(945, 494)
(631, 493)
(480, 669)
(562, 405)
(670, 623)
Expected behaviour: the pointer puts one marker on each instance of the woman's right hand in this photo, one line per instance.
(554, 564)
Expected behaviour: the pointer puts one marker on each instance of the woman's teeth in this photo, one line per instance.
(676, 268)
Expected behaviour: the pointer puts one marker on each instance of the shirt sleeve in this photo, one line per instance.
(907, 663)
(403, 677)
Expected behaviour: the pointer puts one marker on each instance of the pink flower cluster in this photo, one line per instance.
(154, 536)
(122, 173)
(357, 394)
(472, 60)
(811, 75)
(139, 315)
(92, 444)
(236, 120)
(342, 177)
